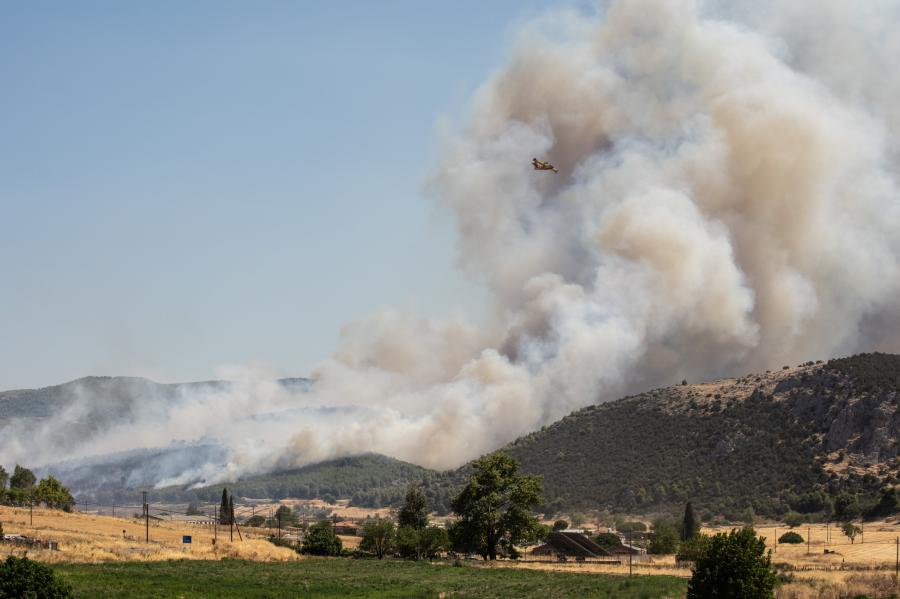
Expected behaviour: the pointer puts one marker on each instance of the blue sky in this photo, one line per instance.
(190, 185)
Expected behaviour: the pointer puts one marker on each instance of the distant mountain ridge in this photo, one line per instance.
(122, 392)
(763, 441)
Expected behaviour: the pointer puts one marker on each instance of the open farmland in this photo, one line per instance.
(875, 548)
(88, 538)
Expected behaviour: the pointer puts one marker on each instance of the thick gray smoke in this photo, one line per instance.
(727, 201)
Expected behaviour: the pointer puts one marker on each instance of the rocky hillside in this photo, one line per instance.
(767, 441)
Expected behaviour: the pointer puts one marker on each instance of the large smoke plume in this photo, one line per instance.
(727, 201)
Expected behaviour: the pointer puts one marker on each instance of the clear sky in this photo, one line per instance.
(186, 185)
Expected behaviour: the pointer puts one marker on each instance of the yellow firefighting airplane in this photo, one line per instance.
(543, 166)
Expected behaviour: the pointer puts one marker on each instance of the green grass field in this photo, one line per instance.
(343, 578)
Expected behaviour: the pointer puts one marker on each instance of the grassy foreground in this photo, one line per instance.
(326, 578)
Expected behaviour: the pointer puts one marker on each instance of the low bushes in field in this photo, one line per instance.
(790, 537)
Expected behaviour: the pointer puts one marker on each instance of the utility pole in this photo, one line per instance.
(862, 530)
(776, 540)
(630, 551)
(215, 524)
(897, 561)
(31, 513)
(114, 510)
(146, 519)
(278, 515)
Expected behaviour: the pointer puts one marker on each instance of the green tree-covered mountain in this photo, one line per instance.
(771, 442)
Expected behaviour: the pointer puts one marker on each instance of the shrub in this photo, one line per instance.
(608, 539)
(664, 538)
(21, 577)
(560, 525)
(790, 537)
(635, 526)
(734, 565)
(693, 549)
(321, 540)
(793, 519)
(378, 537)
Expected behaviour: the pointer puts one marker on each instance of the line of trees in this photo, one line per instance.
(495, 511)
(24, 488)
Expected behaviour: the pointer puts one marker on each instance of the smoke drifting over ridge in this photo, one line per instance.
(727, 201)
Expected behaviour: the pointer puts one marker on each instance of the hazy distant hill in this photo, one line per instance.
(113, 398)
(755, 441)
(369, 479)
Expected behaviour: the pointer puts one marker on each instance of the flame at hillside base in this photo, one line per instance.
(727, 201)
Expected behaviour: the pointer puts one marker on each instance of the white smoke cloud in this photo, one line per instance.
(727, 201)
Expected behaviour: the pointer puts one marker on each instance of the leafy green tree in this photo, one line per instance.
(22, 478)
(425, 543)
(560, 525)
(414, 512)
(748, 517)
(634, 526)
(693, 549)
(850, 530)
(887, 505)
(791, 538)
(846, 507)
(321, 540)
(663, 538)
(794, 519)
(285, 516)
(378, 537)
(4, 477)
(608, 539)
(433, 540)
(255, 521)
(53, 494)
(734, 566)
(689, 526)
(496, 505)
(811, 502)
(408, 542)
(23, 578)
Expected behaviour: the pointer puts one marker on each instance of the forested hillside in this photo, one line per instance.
(764, 441)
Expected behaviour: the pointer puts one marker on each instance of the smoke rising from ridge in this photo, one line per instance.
(727, 201)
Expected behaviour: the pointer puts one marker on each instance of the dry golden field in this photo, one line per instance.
(88, 538)
(875, 548)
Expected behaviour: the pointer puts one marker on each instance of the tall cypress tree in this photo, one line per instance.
(688, 525)
(223, 508)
